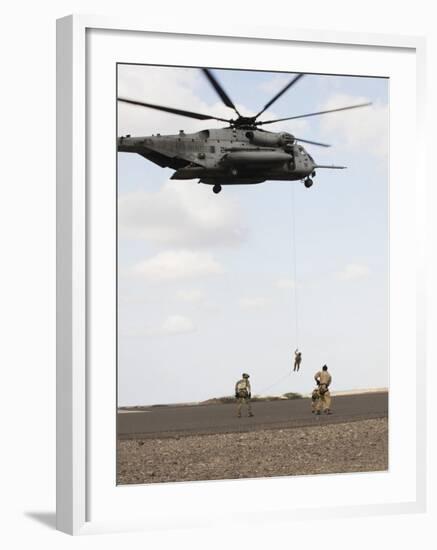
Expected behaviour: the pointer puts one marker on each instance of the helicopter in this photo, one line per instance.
(240, 153)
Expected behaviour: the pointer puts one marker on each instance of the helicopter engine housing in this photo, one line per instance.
(267, 139)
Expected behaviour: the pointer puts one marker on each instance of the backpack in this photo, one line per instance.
(323, 388)
(242, 388)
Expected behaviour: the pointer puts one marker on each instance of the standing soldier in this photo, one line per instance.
(323, 380)
(297, 360)
(243, 394)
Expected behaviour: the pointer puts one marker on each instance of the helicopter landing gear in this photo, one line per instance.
(217, 188)
(308, 183)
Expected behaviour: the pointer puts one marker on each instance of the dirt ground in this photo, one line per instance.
(360, 446)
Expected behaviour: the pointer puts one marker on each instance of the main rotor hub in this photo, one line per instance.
(244, 122)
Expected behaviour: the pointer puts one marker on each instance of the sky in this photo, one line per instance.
(210, 286)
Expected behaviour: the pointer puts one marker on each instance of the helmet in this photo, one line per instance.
(245, 375)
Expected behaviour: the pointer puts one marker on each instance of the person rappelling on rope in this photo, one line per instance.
(297, 360)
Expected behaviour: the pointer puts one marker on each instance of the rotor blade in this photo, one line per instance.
(312, 142)
(313, 114)
(278, 95)
(181, 112)
(220, 91)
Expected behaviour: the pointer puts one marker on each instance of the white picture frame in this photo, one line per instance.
(80, 420)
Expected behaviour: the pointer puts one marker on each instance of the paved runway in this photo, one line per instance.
(176, 421)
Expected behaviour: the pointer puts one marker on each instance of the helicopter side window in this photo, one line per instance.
(212, 149)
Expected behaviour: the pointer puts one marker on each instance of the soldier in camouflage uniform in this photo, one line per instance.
(243, 394)
(314, 399)
(323, 380)
(297, 360)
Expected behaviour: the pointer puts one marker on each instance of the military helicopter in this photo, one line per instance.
(241, 153)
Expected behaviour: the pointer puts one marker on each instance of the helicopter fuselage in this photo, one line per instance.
(226, 156)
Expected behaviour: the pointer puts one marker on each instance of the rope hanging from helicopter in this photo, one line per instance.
(295, 285)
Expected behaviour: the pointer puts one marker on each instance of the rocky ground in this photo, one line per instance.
(360, 446)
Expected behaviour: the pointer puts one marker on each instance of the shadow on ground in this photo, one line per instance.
(45, 518)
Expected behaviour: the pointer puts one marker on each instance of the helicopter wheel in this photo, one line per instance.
(217, 189)
(308, 183)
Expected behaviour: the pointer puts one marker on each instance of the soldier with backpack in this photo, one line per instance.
(314, 399)
(323, 380)
(243, 394)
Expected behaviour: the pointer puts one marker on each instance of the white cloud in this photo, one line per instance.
(191, 296)
(177, 324)
(198, 299)
(285, 283)
(357, 129)
(177, 264)
(254, 302)
(353, 272)
(173, 324)
(183, 214)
